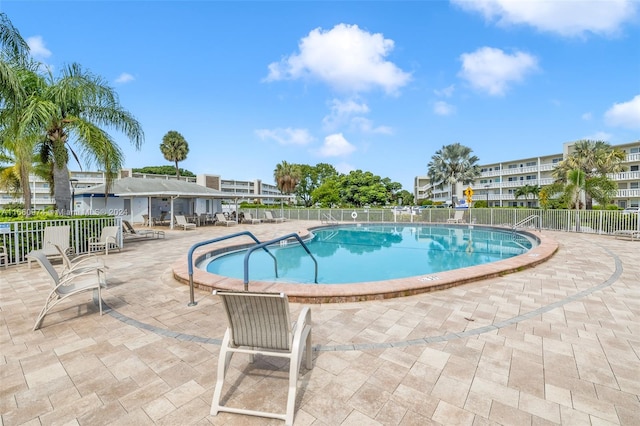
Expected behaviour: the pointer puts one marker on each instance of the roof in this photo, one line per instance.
(145, 187)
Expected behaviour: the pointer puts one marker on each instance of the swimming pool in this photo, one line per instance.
(365, 253)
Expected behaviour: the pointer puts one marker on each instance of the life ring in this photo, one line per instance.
(354, 215)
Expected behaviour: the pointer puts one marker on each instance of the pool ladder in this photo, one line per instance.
(259, 245)
(527, 220)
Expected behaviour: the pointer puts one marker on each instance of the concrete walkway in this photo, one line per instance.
(556, 344)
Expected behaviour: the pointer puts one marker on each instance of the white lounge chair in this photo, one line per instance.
(259, 324)
(129, 232)
(108, 240)
(54, 236)
(249, 219)
(182, 221)
(67, 285)
(457, 217)
(627, 234)
(268, 217)
(221, 220)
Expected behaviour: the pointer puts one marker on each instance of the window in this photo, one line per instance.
(634, 150)
(634, 168)
(531, 177)
(531, 163)
(634, 185)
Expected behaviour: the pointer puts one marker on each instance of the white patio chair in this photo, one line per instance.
(259, 324)
(250, 219)
(268, 217)
(108, 240)
(221, 220)
(67, 285)
(182, 221)
(54, 236)
(4, 256)
(457, 217)
(80, 264)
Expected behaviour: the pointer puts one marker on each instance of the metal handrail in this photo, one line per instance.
(526, 220)
(215, 240)
(329, 218)
(267, 243)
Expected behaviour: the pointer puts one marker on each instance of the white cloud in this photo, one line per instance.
(37, 48)
(443, 108)
(598, 136)
(566, 17)
(587, 116)
(341, 112)
(492, 70)
(625, 114)
(344, 168)
(336, 146)
(365, 125)
(286, 136)
(346, 58)
(447, 92)
(124, 78)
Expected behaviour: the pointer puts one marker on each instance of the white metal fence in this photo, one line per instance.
(587, 221)
(19, 238)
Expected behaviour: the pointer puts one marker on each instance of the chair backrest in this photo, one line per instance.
(220, 217)
(41, 258)
(458, 214)
(56, 235)
(181, 220)
(268, 214)
(127, 227)
(107, 232)
(259, 320)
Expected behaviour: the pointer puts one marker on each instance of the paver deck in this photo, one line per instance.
(555, 344)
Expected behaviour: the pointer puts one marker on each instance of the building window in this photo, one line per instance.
(513, 166)
(633, 185)
(531, 163)
(634, 168)
(634, 150)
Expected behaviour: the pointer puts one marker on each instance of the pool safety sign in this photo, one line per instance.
(468, 194)
(5, 228)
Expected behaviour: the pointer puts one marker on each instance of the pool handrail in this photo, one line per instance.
(268, 243)
(527, 220)
(215, 240)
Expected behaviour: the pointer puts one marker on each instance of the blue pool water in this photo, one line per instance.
(352, 254)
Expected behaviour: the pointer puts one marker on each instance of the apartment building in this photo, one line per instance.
(498, 182)
(41, 197)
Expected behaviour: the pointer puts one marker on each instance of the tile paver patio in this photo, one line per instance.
(559, 343)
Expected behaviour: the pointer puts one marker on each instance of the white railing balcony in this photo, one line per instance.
(627, 193)
(624, 176)
(633, 157)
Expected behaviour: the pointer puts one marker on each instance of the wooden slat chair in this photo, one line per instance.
(259, 324)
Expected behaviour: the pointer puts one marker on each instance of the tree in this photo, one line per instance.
(311, 178)
(13, 50)
(406, 196)
(452, 164)
(69, 111)
(287, 177)
(175, 148)
(162, 170)
(526, 190)
(587, 167)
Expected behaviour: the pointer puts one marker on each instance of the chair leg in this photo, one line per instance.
(223, 364)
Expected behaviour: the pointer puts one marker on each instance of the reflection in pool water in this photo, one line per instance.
(354, 254)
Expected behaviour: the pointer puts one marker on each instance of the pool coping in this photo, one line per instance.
(374, 290)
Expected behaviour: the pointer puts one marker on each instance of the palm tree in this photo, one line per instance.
(69, 111)
(452, 164)
(175, 148)
(287, 177)
(526, 190)
(13, 50)
(590, 162)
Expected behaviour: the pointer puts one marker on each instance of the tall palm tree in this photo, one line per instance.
(287, 177)
(592, 160)
(69, 111)
(452, 164)
(175, 148)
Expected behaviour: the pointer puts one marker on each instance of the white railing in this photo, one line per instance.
(22, 237)
(585, 221)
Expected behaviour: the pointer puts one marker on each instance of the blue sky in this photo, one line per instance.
(377, 86)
